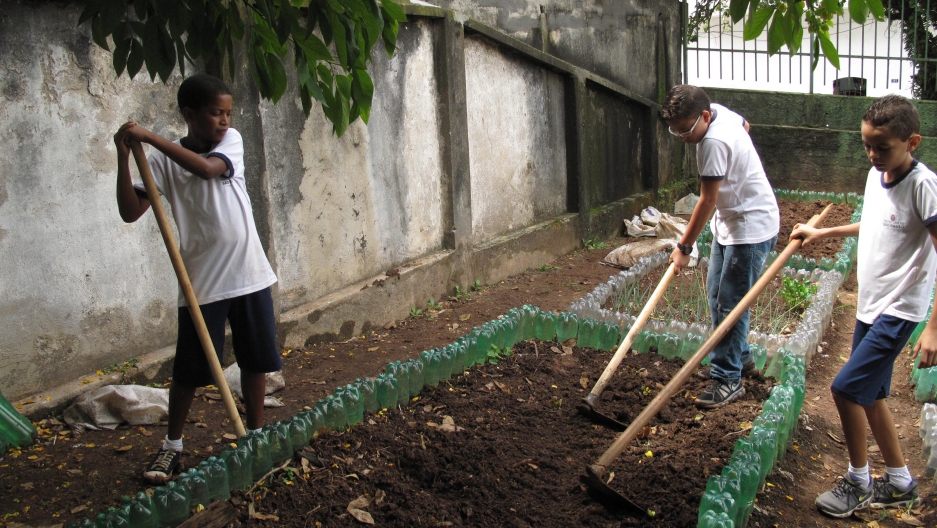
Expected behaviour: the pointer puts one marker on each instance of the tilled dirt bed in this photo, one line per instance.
(519, 448)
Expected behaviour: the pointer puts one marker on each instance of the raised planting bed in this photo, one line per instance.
(515, 448)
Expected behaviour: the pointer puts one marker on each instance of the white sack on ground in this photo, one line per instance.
(636, 228)
(232, 375)
(686, 204)
(110, 406)
(628, 255)
(650, 216)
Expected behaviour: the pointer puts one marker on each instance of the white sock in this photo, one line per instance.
(899, 477)
(860, 475)
(175, 445)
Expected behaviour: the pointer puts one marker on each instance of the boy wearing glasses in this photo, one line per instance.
(745, 226)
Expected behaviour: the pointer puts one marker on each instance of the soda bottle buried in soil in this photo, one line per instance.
(299, 431)
(609, 336)
(759, 355)
(497, 332)
(417, 376)
(928, 419)
(238, 461)
(316, 418)
(142, 512)
(260, 454)
(765, 443)
(111, 518)
(278, 436)
(386, 391)
(446, 363)
(15, 429)
(171, 503)
(546, 326)
(216, 475)
(567, 326)
(431, 363)
(402, 374)
(588, 333)
(510, 325)
(748, 478)
(482, 344)
(669, 346)
(368, 396)
(196, 486)
(529, 315)
(354, 407)
(124, 509)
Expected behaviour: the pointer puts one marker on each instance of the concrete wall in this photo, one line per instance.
(484, 156)
(813, 142)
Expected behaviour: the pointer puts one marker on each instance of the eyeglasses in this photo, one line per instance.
(688, 132)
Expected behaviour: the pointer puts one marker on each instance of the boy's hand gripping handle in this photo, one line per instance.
(177, 264)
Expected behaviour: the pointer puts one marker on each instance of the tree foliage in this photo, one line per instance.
(786, 20)
(330, 41)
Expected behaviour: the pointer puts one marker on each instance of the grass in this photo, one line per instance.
(592, 243)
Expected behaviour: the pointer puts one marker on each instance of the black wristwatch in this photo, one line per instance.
(686, 250)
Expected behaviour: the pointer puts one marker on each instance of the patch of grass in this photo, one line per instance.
(458, 295)
(120, 367)
(547, 267)
(592, 243)
(669, 193)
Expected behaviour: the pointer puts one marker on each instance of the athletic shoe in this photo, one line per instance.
(846, 498)
(887, 495)
(161, 468)
(748, 370)
(719, 393)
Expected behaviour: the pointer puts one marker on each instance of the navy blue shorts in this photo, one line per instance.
(866, 377)
(253, 332)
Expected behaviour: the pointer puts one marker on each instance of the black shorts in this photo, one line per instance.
(866, 376)
(253, 332)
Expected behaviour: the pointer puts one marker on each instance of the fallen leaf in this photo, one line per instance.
(533, 466)
(465, 317)
(556, 350)
(448, 420)
(73, 472)
(201, 425)
(146, 432)
(373, 349)
(909, 519)
(584, 380)
(834, 437)
(230, 437)
(264, 517)
(27, 486)
(873, 524)
(359, 503)
(361, 516)
(455, 326)
(874, 449)
(568, 350)
(123, 448)
(379, 496)
(79, 509)
(212, 395)
(504, 388)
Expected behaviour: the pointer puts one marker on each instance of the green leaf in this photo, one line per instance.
(92, 8)
(877, 9)
(787, 27)
(180, 57)
(755, 25)
(832, 7)
(775, 33)
(737, 9)
(235, 23)
(393, 11)
(277, 77)
(135, 60)
(121, 52)
(390, 37)
(858, 11)
(815, 53)
(341, 44)
(829, 50)
(97, 33)
(314, 48)
(798, 39)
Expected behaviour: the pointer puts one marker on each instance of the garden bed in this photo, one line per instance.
(519, 450)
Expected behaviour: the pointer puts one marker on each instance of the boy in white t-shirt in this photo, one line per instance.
(895, 269)
(202, 177)
(733, 185)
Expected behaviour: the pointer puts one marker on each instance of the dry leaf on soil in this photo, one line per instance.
(354, 508)
(910, 520)
(584, 380)
(465, 317)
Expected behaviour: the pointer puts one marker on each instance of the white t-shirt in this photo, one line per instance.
(217, 235)
(896, 260)
(746, 210)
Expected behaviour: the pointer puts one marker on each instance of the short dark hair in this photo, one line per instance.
(895, 114)
(200, 90)
(683, 101)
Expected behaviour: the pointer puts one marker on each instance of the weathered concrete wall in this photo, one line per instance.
(516, 124)
(484, 156)
(813, 141)
(354, 206)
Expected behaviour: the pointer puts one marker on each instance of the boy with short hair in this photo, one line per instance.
(202, 177)
(745, 225)
(895, 269)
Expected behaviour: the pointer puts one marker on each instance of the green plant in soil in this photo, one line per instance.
(433, 305)
(797, 293)
(458, 295)
(477, 286)
(495, 354)
(592, 243)
(415, 312)
(547, 267)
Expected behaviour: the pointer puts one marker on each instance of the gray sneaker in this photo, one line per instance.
(719, 393)
(887, 495)
(846, 498)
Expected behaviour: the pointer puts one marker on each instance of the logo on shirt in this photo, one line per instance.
(228, 182)
(893, 223)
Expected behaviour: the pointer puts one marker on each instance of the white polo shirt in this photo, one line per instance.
(217, 236)
(896, 260)
(746, 210)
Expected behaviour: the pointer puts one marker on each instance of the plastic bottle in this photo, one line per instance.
(238, 461)
(196, 485)
(458, 358)
(171, 503)
(316, 419)
(711, 514)
(567, 326)
(111, 518)
(216, 475)
(446, 363)
(299, 432)
(260, 454)
(587, 333)
(431, 363)
(335, 418)
(402, 374)
(15, 429)
(545, 328)
(278, 436)
(417, 376)
(928, 443)
(368, 398)
(386, 391)
(765, 443)
(669, 346)
(510, 326)
(124, 509)
(928, 419)
(354, 407)
(483, 343)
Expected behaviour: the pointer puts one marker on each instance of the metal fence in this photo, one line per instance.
(873, 52)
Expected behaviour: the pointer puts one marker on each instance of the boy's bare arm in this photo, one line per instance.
(709, 190)
(204, 168)
(926, 346)
(130, 205)
(812, 234)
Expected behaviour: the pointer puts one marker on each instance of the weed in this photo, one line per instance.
(595, 210)
(547, 267)
(433, 305)
(592, 243)
(797, 293)
(477, 286)
(415, 312)
(495, 354)
(458, 295)
(120, 367)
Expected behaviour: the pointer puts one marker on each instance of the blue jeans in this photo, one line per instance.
(733, 270)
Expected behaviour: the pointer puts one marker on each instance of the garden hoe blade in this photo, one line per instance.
(595, 472)
(604, 493)
(588, 405)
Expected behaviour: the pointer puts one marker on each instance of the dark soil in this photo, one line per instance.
(520, 450)
(800, 212)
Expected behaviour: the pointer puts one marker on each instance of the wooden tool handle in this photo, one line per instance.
(170, 240)
(635, 329)
(636, 426)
